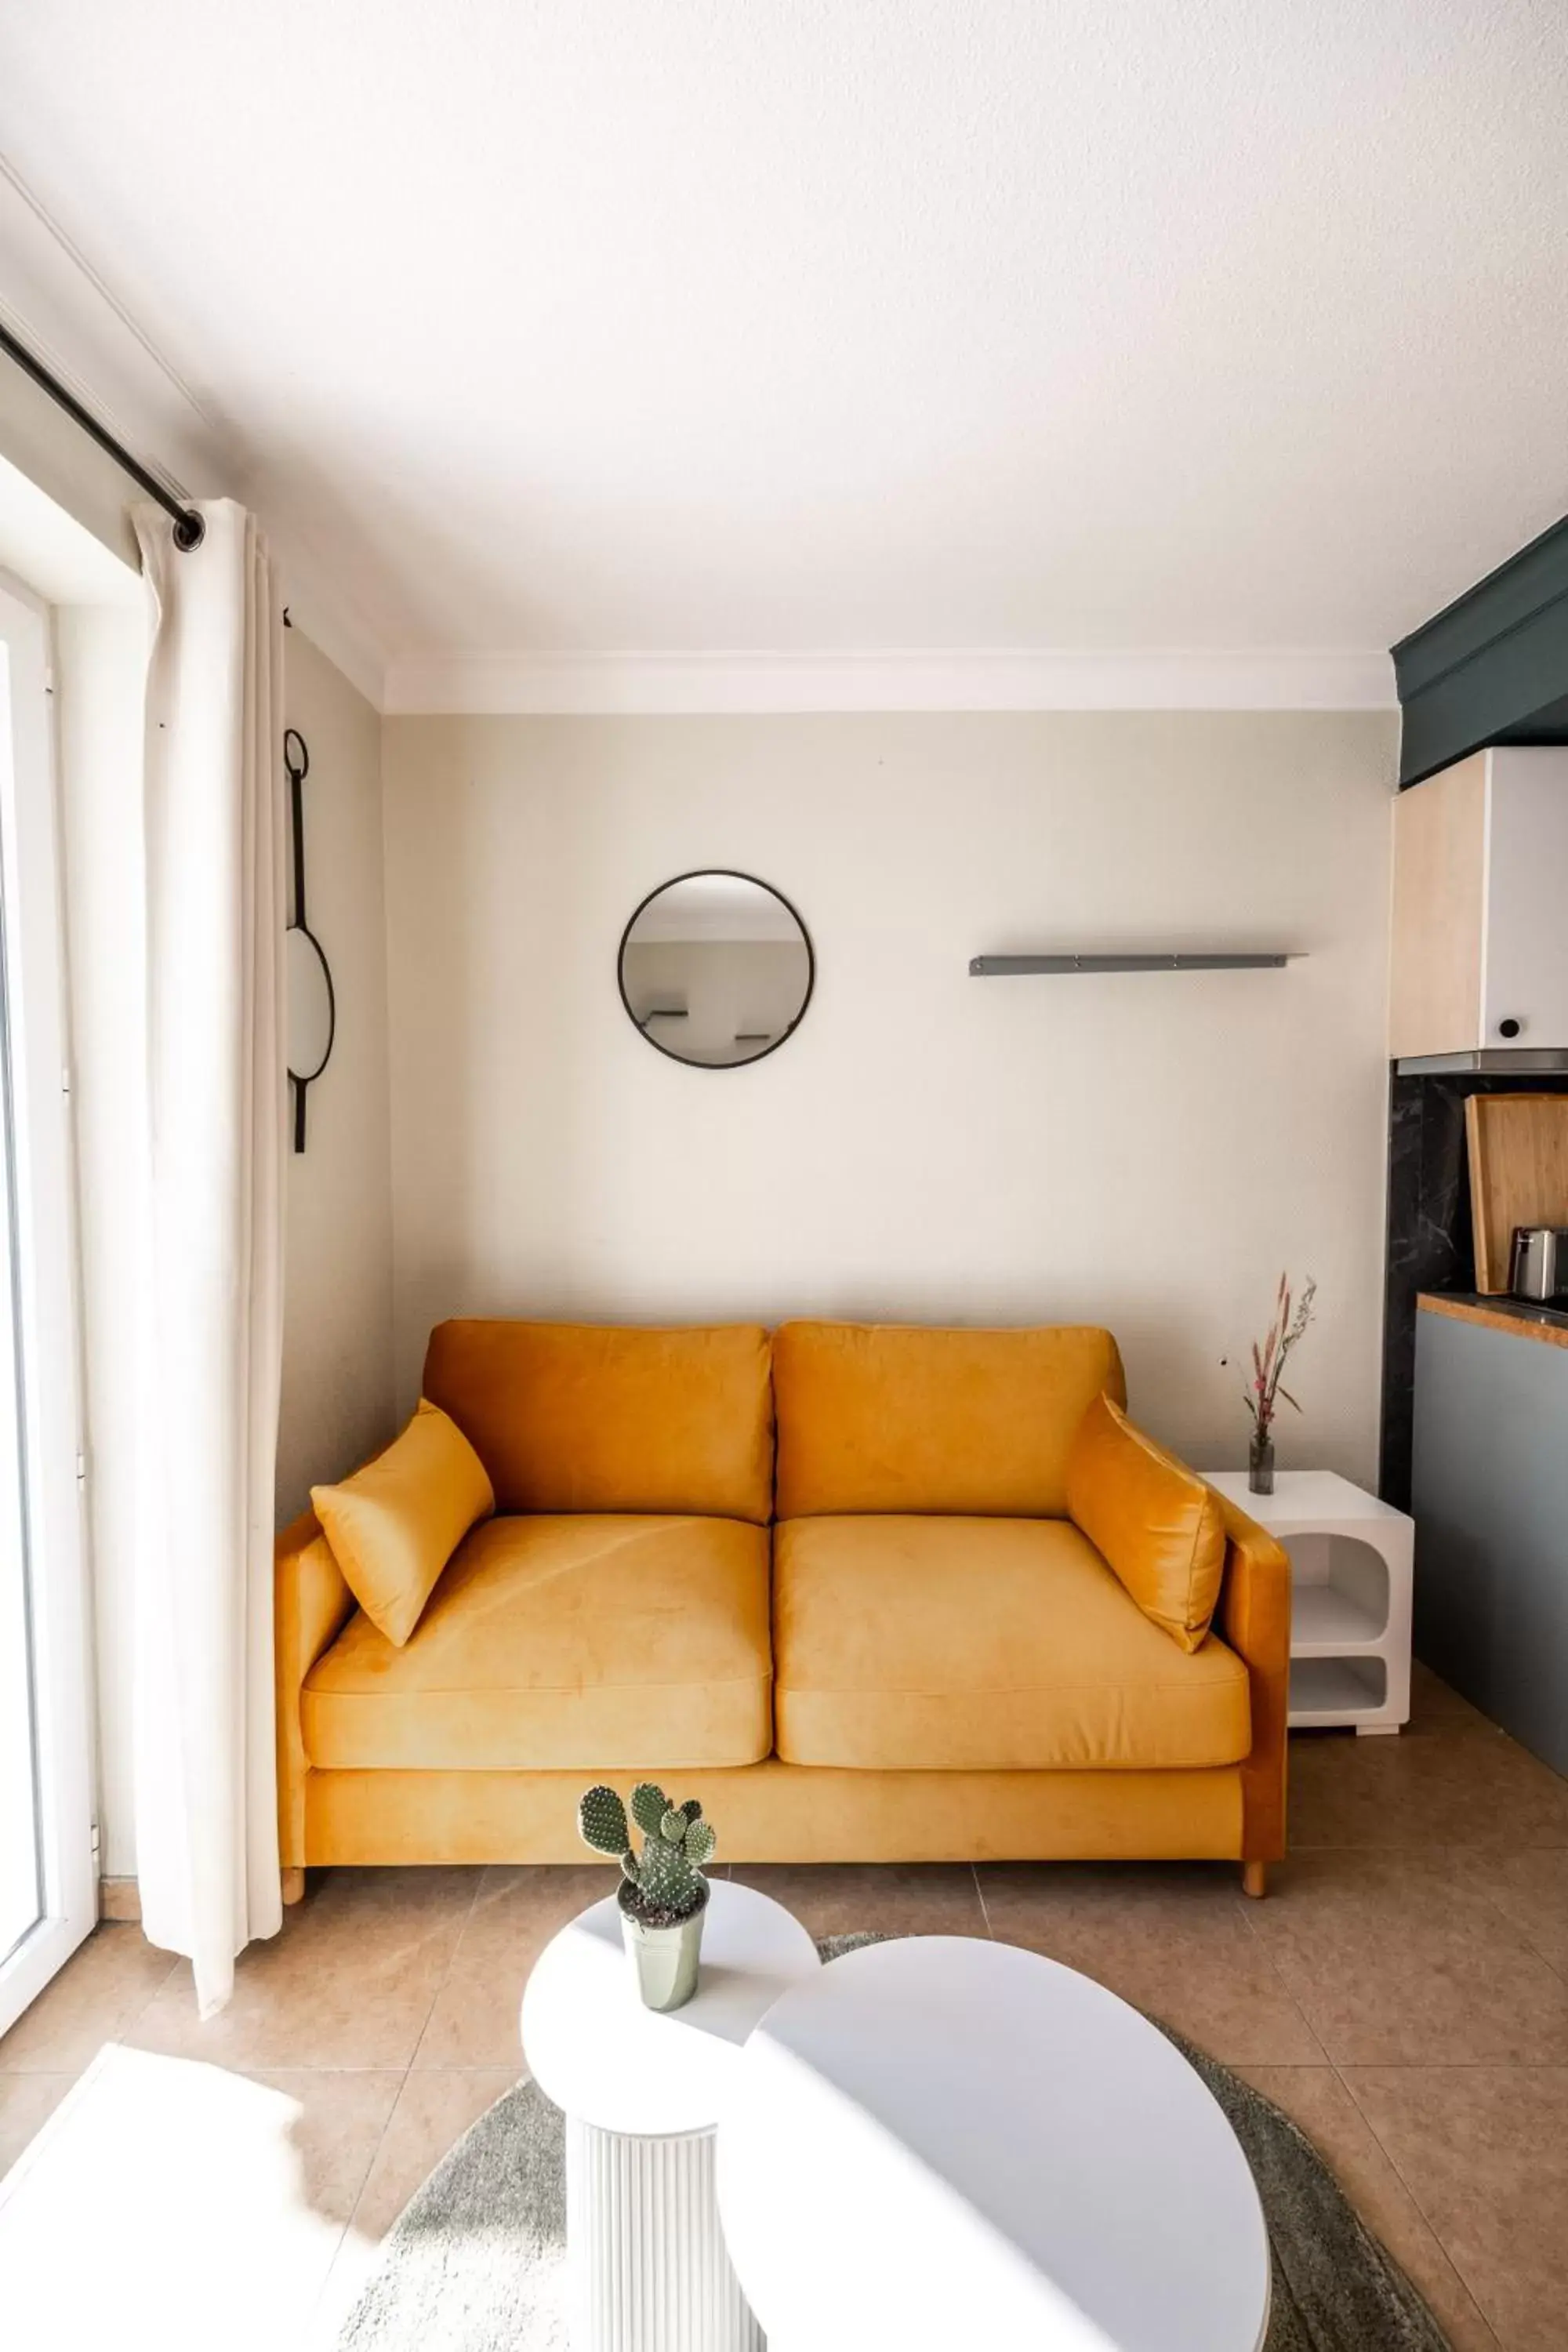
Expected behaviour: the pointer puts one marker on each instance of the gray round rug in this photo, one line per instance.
(476, 2263)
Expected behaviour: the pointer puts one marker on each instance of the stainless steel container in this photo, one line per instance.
(1538, 1267)
(664, 1959)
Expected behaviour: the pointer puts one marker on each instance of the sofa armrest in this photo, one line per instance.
(311, 1602)
(1254, 1616)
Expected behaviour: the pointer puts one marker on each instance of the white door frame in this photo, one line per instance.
(46, 1255)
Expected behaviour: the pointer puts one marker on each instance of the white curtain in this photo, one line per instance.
(207, 1815)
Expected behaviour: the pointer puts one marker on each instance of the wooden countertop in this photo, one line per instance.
(1511, 1315)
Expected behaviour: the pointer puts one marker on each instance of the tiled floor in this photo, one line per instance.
(1403, 1993)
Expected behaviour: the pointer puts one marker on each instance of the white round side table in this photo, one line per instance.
(642, 2095)
(940, 2142)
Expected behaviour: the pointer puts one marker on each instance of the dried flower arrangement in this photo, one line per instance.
(1265, 1388)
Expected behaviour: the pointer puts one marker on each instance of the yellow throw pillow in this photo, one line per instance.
(394, 1525)
(1151, 1518)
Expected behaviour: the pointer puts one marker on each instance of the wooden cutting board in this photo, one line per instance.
(1518, 1173)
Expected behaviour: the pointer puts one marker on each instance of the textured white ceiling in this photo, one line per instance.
(844, 324)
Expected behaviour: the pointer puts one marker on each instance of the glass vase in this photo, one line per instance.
(1260, 1464)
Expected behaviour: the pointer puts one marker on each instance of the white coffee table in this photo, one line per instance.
(939, 2143)
(642, 2095)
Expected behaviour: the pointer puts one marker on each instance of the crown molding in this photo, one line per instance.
(64, 314)
(608, 683)
(55, 301)
(62, 309)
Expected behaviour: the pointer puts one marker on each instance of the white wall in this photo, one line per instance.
(337, 1332)
(1142, 1152)
(337, 1358)
(81, 479)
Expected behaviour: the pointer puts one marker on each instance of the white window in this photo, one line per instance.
(47, 1893)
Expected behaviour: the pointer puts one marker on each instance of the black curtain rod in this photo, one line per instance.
(189, 529)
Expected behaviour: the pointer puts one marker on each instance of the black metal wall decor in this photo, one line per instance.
(312, 1005)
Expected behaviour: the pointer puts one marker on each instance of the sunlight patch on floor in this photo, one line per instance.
(163, 2203)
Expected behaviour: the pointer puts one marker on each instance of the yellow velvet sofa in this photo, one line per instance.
(824, 1579)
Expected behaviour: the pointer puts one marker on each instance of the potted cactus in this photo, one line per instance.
(663, 1893)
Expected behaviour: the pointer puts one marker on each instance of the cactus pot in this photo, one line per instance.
(664, 1959)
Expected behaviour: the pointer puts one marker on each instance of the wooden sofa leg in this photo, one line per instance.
(1254, 1879)
(294, 1886)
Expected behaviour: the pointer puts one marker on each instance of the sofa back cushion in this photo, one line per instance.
(1153, 1520)
(600, 1417)
(889, 1417)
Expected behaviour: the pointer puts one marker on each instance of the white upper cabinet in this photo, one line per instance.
(1480, 913)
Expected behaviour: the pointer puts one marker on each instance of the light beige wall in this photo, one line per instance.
(337, 1333)
(1145, 1151)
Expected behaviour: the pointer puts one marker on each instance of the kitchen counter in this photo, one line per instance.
(1490, 1474)
(1497, 1313)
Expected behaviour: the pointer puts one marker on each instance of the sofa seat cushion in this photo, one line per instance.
(971, 1644)
(598, 1643)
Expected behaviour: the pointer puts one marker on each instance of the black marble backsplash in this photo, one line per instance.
(1430, 1245)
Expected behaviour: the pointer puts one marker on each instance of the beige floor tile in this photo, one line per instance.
(27, 2103)
(1436, 1707)
(1395, 1959)
(1530, 1889)
(1484, 2151)
(474, 2019)
(349, 1983)
(1456, 1786)
(1315, 2098)
(1171, 1939)
(343, 2116)
(887, 1899)
(101, 1989)
(434, 2108)
(520, 1905)
(183, 2204)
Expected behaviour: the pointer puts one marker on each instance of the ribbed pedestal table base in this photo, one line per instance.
(650, 2271)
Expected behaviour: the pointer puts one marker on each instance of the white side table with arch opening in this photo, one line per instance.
(1351, 1573)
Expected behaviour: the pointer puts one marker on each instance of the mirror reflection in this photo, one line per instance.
(311, 1010)
(716, 969)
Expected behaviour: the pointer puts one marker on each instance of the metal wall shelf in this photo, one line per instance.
(1487, 1061)
(1004, 967)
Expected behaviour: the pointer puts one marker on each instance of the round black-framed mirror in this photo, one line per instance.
(312, 1009)
(716, 969)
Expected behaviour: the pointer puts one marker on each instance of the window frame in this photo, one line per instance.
(47, 1289)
